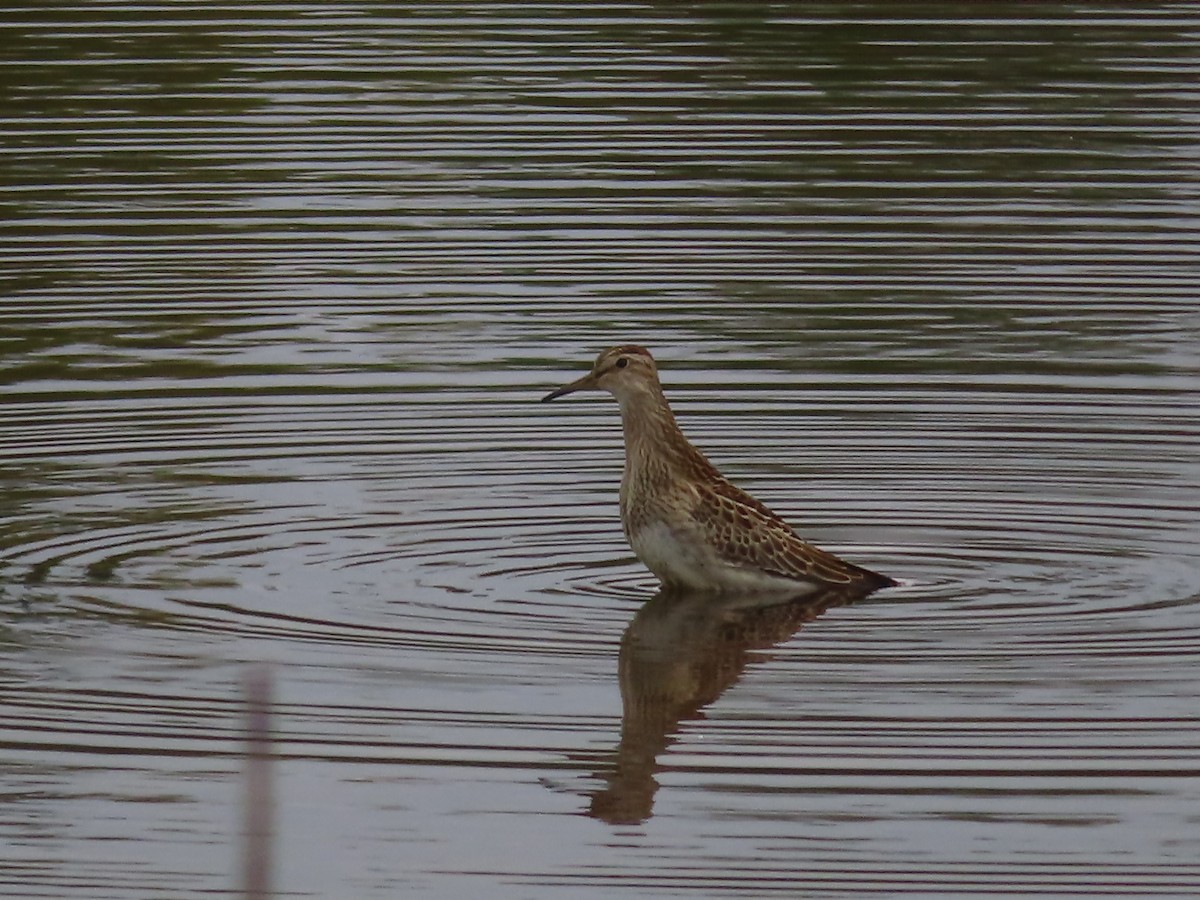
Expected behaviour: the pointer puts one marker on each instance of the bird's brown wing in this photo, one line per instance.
(745, 532)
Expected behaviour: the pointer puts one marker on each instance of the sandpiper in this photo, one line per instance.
(691, 527)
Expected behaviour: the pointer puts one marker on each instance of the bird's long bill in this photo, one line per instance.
(579, 384)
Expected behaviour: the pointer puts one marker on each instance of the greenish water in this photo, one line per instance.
(281, 287)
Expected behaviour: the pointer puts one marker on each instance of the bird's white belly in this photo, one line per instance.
(693, 565)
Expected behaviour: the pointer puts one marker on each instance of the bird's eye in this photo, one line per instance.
(622, 363)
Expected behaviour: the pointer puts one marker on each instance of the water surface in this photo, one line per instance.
(283, 285)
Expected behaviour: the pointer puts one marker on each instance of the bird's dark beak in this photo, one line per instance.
(580, 384)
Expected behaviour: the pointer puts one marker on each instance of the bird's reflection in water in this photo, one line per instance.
(678, 655)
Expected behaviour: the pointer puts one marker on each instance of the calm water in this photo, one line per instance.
(282, 285)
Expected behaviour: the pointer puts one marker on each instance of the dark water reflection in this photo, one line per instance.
(280, 287)
(679, 654)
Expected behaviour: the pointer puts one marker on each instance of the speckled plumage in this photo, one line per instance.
(690, 525)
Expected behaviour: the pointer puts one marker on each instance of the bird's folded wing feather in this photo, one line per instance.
(745, 532)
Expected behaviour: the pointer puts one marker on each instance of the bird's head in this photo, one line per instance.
(625, 372)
